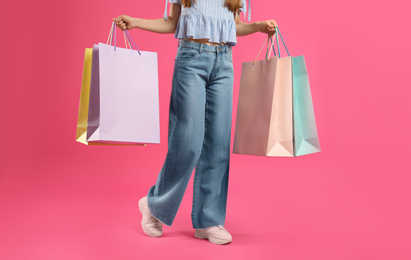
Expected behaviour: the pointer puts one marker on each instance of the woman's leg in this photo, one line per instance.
(212, 170)
(186, 133)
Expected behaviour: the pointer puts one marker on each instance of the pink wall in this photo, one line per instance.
(351, 201)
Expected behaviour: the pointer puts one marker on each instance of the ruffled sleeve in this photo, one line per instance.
(244, 9)
(165, 10)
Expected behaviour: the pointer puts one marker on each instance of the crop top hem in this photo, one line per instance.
(215, 29)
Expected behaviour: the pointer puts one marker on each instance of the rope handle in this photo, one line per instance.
(126, 35)
(277, 31)
(267, 55)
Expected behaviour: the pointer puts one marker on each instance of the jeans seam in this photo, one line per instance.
(172, 136)
(198, 168)
(229, 55)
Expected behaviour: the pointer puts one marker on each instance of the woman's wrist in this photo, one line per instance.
(260, 26)
(134, 23)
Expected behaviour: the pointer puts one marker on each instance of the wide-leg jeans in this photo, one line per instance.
(199, 136)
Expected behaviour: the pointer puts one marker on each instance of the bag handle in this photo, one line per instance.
(126, 34)
(110, 37)
(267, 56)
(278, 46)
(277, 31)
(129, 37)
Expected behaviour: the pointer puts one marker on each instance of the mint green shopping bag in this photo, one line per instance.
(304, 129)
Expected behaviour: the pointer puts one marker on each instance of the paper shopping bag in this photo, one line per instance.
(81, 132)
(124, 100)
(305, 128)
(264, 124)
(270, 111)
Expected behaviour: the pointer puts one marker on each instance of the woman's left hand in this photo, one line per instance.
(268, 27)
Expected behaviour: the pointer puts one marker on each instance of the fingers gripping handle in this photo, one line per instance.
(277, 31)
(126, 35)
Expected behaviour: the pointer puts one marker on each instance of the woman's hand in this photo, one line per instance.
(124, 22)
(268, 27)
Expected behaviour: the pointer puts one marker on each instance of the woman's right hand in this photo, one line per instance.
(124, 22)
(268, 27)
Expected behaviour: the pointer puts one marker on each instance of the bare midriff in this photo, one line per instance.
(205, 41)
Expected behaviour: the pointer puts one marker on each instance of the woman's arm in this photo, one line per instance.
(244, 29)
(153, 25)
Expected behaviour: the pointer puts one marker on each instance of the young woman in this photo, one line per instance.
(200, 112)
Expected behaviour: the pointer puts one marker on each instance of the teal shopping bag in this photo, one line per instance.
(305, 128)
(305, 136)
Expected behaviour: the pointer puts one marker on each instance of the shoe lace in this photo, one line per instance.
(222, 228)
(154, 221)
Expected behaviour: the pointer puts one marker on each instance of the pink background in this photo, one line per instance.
(60, 199)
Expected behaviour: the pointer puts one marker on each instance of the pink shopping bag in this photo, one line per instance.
(264, 123)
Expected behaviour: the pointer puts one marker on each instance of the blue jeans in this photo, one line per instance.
(199, 136)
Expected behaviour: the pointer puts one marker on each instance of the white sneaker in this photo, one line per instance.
(217, 235)
(151, 225)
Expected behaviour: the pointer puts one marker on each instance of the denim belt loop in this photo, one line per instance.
(201, 48)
